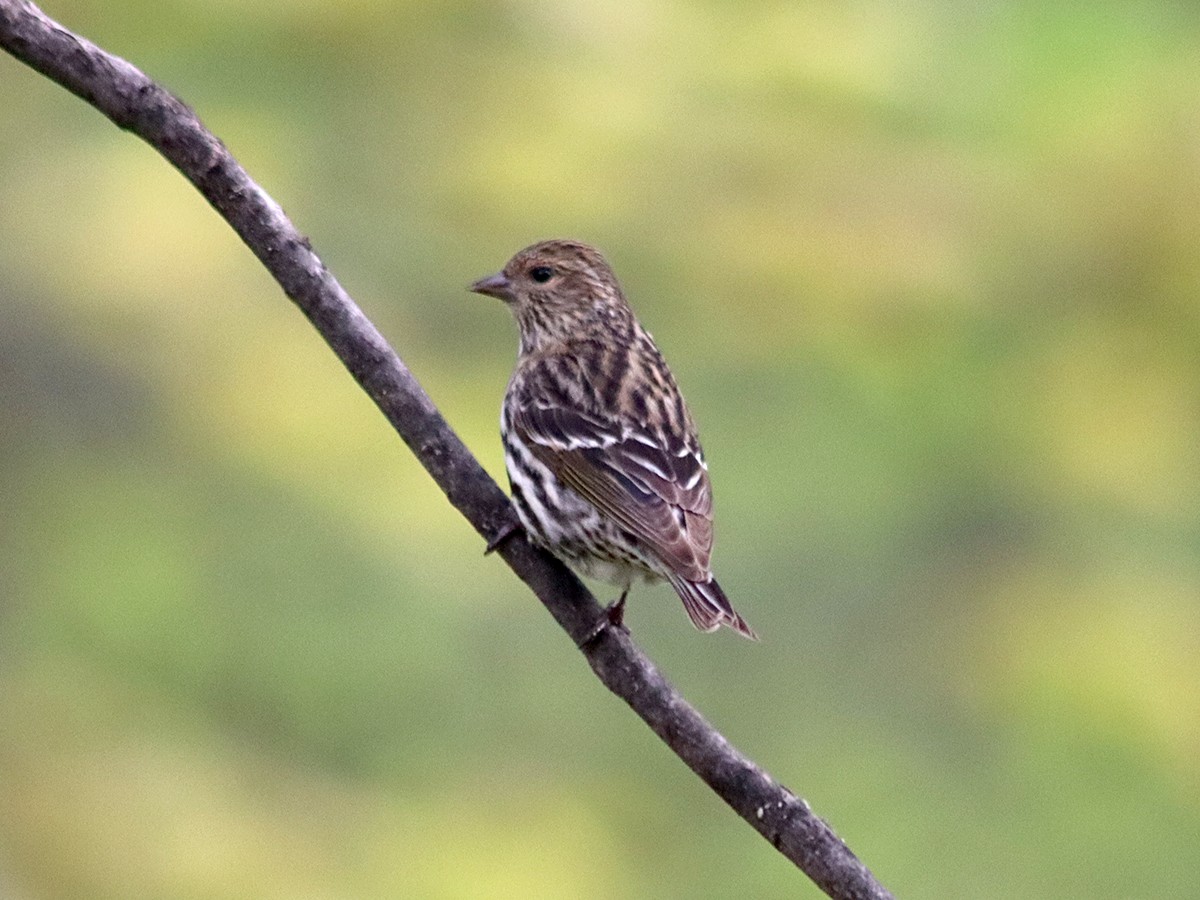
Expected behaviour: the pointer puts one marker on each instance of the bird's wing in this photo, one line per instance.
(654, 486)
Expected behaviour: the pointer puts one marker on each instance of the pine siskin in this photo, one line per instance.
(602, 455)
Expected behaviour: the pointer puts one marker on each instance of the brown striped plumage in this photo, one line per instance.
(606, 469)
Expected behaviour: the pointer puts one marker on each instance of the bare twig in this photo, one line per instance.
(135, 103)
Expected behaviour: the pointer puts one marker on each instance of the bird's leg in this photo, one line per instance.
(612, 617)
(615, 612)
(511, 527)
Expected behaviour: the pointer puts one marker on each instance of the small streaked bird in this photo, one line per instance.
(602, 455)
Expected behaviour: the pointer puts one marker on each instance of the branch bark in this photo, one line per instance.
(136, 103)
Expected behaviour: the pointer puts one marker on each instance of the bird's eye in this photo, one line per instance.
(541, 274)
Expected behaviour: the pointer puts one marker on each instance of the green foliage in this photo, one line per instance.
(928, 276)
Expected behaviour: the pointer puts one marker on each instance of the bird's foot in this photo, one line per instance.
(511, 527)
(612, 617)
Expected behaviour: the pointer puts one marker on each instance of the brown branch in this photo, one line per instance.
(135, 103)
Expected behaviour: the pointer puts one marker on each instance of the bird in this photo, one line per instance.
(603, 459)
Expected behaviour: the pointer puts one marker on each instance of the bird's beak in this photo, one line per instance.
(497, 286)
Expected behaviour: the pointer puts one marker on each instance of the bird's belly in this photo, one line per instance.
(558, 519)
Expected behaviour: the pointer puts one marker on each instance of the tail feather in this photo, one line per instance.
(709, 608)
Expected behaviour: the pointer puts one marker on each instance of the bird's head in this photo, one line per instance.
(558, 290)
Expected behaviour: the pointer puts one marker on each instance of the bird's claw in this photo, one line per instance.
(612, 617)
(511, 527)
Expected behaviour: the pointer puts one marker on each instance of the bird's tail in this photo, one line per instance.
(709, 608)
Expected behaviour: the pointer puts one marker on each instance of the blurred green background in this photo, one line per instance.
(929, 275)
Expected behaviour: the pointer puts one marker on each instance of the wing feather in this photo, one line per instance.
(660, 494)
